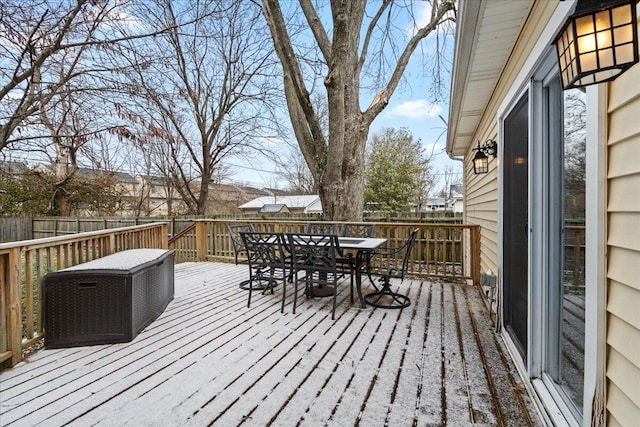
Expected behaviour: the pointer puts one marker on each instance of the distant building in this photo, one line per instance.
(308, 204)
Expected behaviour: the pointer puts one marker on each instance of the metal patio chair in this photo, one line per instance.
(238, 245)
(395, 262)
(266, 256)
(314, 264)
(321, 228)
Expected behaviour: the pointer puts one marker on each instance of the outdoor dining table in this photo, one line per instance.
(363, 247)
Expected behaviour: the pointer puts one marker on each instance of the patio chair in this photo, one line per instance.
(236, 240)
(357, 230)
(321, 228)
(238, 245)
(314, 264)
(266, 257)
(394, 262)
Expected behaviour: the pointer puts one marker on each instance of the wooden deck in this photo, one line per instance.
(208, 360)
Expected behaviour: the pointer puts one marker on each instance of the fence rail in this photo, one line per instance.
(14, 229)
(439, 250)
(23, 265)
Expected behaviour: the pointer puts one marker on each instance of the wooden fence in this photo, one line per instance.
(62, 226)
(24, 264)
(15, 229)
(442, 251)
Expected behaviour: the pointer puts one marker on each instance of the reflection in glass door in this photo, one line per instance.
(566, 294)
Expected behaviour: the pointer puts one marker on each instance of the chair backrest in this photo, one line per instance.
(234, 232)
(264, 250)
(321, 228)
(357, 230)
(313, 252)
(236, 240)
(398, 268)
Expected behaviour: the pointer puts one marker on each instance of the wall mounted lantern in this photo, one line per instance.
(481, 159)
(598, 42)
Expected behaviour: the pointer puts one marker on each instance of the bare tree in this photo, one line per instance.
(450, 177)
(37, 37)
(352, 53)
(297, 174)
(50, 106)
(203, 89)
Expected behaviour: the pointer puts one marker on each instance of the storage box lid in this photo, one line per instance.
(125, 260)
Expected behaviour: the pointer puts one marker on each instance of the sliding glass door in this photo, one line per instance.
(515, 224)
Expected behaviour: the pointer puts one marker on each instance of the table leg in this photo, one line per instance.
(359, 257)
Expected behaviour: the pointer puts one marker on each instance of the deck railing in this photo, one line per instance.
(574, 255)
(439, 251)
(23, 265)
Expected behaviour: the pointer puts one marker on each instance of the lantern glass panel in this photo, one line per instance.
(587, 43)
(624, 54)
(621, 15)
(623, 34)
(603, 21)
(588, 62)
(604, 39)
(605, 57)
(584, 25)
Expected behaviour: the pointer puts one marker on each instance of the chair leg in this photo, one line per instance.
(284, 292)
(295, 293)
(352, 272)
(335, 297)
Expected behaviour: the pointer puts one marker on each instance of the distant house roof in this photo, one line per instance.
(304, 203)
(274, 208)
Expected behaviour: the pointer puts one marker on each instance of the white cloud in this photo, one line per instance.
(417, 109)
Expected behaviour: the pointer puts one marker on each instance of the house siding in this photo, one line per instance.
(623, 249)
(481, 195)
(621, 340)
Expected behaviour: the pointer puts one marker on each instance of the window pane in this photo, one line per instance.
(573, 270)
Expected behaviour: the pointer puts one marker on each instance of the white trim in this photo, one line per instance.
(537, 249)
(554, 404)
(595, 243)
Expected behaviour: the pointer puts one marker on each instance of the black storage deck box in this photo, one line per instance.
(108, 300)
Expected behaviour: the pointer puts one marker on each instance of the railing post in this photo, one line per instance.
(475, 254)
(201, 240)
(577, 245)
(164, 235)
(11, 284)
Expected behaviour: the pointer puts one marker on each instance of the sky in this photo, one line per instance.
(409, 107)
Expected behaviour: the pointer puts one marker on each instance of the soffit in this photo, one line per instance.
(487, 31)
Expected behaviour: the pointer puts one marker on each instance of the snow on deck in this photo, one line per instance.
(209, 360)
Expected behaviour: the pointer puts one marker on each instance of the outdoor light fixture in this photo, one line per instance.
(598, 42)
(481, 159)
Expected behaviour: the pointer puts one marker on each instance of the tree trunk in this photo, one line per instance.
(341, 188)
(337, 165)
(61, 204)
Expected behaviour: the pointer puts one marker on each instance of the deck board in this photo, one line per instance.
(210, 360)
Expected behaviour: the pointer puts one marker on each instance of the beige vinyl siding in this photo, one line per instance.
(481, 192)
(481, 208)
(623, 248)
